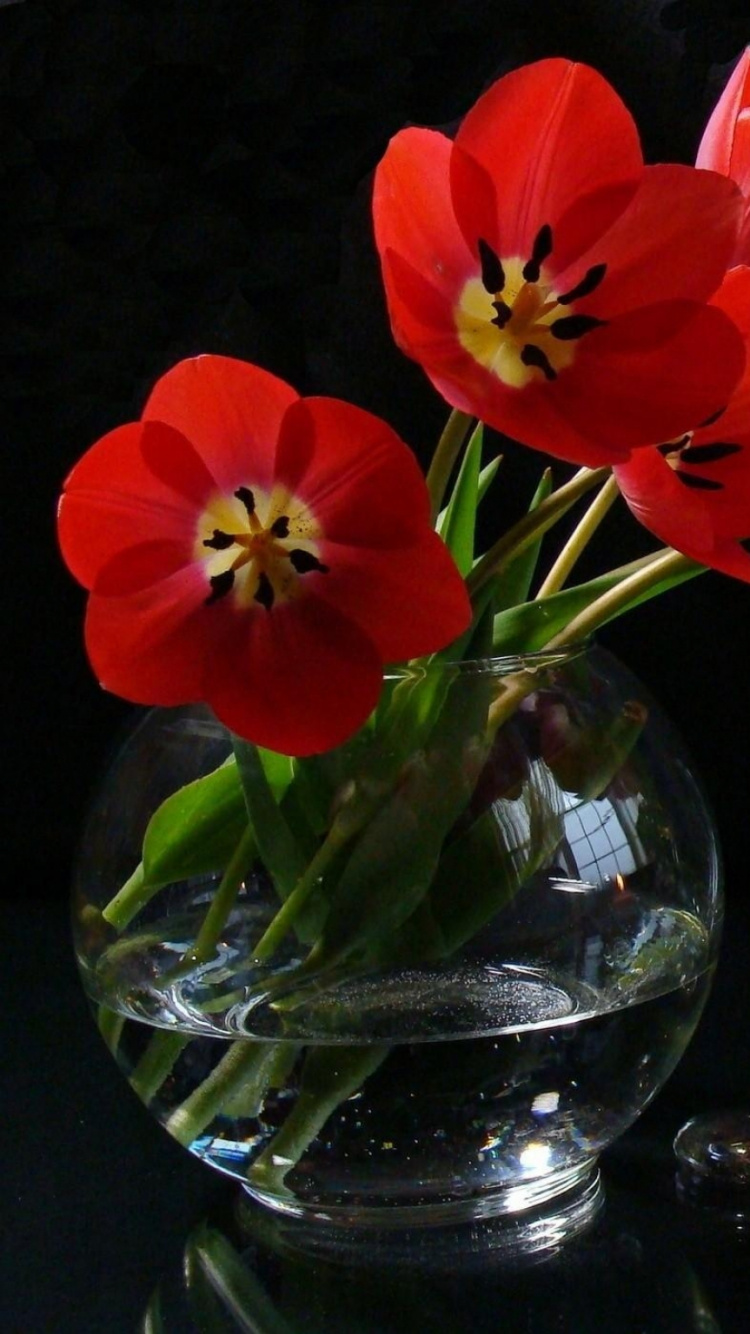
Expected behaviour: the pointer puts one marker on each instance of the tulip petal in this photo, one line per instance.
(725, 146)
(151, 646)
(548, 134)
(651, 374)
(656, 251)
(112, 499)
(409, 602)
(689, 520)
(230, 410)
(298, 681)
(413, 213)
(361, 481)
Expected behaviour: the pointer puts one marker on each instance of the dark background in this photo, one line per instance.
(183, 177)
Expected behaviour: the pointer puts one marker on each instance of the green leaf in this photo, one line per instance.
(262, 779)
(512, 585)
(153, 1320)
(530, 625)
(458, 525)
(495, 857)
(239, 1293)
(196, 829)
(393, 861)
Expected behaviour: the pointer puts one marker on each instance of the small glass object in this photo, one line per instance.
(713, 1156)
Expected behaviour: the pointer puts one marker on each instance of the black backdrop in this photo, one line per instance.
(184, 177)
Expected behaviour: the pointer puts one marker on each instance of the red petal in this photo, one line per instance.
(112, 498)
(548, 134)
(651, 374)
(413, 213)
(361, 481)
(725, 146)
(230, 410)
(298, 680)
(410, 602)
(689, 520)
(674, 240)
(151, 646)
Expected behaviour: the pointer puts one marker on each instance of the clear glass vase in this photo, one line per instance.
(501, 913)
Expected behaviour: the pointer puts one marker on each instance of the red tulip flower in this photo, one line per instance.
(694, 492)
(547, 281)
(259, 551)
(725, 146)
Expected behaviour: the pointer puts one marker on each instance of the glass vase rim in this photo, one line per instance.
(493, 664)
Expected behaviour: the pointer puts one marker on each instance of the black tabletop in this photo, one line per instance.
(102, 1209)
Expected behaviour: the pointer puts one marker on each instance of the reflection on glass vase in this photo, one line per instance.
(438, 971)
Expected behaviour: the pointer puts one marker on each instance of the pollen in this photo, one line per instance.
(258, 546)
(511, 320)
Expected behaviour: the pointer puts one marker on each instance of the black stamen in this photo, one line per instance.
(504, 313)
(745, 544)
(590, 280)
(220, 541)
(264, 593)
(699, 483)
(574, 326)
(220, 585)
(493, 274)
(674, 446)
(304, 561)
(541, 249)
(713, 418)
(708, 453)
(280, 526)
(244, 494)
(531, 355)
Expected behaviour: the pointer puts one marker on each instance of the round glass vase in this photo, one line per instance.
(426, 977)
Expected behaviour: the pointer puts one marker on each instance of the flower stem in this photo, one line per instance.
(129, 900)
(533, 525)
(330, 1076)
(242, 1065)
(213, 924)
(579, 538)
(667, 564)
(157, 1062)
(446, 453)
(284, 918)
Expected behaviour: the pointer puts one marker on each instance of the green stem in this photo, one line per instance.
(533, 525)
(110, 1025)
(579, 539)
(330, 1076)
(129, 900)
(617, 599)
(446, 453)
(242, 1061)
(222, 903)
(284, 919)
(157, 1062)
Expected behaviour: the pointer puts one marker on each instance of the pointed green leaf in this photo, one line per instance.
(458, 526)
(529, 626)
(196, 829)
(279, 851)
(512, 585)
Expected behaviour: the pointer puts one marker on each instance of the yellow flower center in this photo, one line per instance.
(512, 321)
(257, 545)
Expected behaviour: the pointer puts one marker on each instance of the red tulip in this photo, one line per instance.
(694, 492)
(550, 284)
(258, 551)
(725, 146)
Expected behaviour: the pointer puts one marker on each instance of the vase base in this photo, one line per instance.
(526, 1217)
